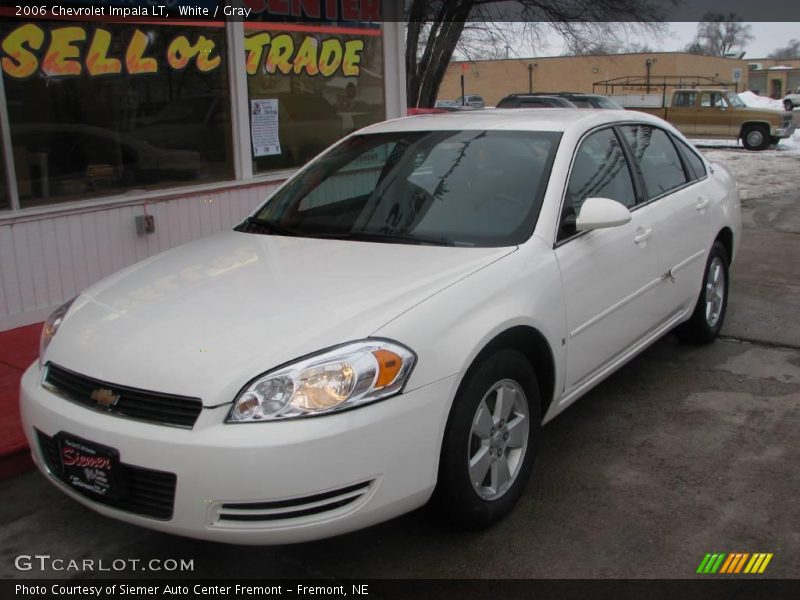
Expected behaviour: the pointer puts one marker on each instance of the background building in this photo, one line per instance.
(191, 124)
(774, 78)
(494, 79)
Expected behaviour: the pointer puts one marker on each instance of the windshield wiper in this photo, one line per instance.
(252, 224)
(368, 236)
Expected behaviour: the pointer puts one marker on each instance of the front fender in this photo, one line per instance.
(449, 330)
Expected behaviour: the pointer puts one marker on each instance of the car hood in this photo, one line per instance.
(204, 318)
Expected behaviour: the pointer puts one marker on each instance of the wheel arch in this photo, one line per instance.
(725, 237)
(748, 124)
(530, 342)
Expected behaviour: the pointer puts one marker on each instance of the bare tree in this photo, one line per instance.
(436, 29)
(788, 52)
(720, 35)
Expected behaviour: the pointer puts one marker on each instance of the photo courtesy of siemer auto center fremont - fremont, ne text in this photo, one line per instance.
(399, 298)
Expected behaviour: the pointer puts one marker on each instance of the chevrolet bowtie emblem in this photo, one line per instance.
(105, 397)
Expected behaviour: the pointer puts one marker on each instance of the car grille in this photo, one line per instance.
(154, 407)
(149, 493)
(294, 508)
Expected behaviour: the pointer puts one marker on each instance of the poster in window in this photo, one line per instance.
(264, 127)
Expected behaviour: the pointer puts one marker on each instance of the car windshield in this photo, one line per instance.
(736, 101)
(457, 188)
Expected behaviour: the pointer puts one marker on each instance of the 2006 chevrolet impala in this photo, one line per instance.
(394, 324)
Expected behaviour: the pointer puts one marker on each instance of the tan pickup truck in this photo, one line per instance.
(719, 114)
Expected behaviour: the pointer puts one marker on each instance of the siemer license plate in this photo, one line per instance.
(88, 467)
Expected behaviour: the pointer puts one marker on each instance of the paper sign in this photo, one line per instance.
(264, 127)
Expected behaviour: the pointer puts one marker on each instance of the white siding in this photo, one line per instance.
(48, 260)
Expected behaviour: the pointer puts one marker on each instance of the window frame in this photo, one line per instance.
(687, 171)
(687, 93)
(633, 167)
(634, 174)
(683, 148)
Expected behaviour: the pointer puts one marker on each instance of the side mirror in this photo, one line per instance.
(601, 213)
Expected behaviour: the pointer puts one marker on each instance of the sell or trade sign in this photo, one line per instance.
(73, 50)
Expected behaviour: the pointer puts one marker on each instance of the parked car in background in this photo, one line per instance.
(414, 111)
(582, 100)
(437, 110)
(792, 101)
(394, 324)
(446, 104)
(534, 101)
(715, 114)
(471, 101)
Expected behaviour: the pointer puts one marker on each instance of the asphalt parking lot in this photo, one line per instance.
(684, 451)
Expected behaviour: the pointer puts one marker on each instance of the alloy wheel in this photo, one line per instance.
(498, 439)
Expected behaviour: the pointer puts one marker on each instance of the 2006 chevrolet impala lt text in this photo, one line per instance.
(393, 325)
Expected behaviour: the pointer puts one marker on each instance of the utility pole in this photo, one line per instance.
(463, 96)
(649, 65)
(530, 78)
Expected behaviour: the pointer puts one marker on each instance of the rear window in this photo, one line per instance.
(684, 99)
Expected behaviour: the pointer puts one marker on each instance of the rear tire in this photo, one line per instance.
(755, 137)
(709, 313)
(490, 441)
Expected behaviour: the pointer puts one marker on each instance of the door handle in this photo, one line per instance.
(702, 203)
(642, 237)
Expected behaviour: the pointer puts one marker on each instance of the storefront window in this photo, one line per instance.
(4, 200)
(310, 85)
(98, 109)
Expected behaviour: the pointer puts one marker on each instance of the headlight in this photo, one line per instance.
(51, 327)
(336, 379)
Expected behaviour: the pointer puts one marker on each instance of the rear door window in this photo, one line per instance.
(657, 157)
(694, 161)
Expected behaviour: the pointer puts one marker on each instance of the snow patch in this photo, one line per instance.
(758, 174)
(755, 101)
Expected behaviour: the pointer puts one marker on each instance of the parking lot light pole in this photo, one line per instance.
(649, 65)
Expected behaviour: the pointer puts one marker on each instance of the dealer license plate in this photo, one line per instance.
(88, 467)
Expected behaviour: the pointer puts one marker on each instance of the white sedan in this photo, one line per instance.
(392, 326)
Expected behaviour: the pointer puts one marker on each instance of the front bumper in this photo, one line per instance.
(783, 132)
(384, 456)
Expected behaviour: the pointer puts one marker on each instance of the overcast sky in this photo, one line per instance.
(767, 37)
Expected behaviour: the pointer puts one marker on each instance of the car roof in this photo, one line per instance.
(534, 96)
(513, 119)
(556, 94)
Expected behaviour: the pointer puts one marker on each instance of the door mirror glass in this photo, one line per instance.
(601, 213)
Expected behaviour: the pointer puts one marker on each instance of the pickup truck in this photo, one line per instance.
(719, 114)
(792, 101)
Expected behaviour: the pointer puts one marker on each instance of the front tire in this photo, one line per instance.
(755, 137)
(787, 104)
(490, 441)
(709, 312)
